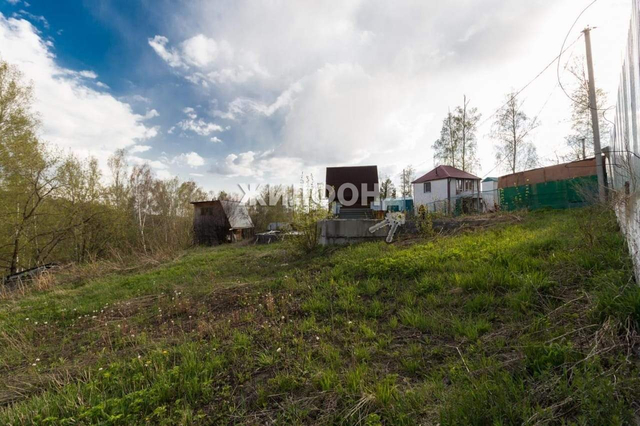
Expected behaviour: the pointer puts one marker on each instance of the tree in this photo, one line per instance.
(457, 144)
(141, 186)
(447, 147)
(467, 122)
(406, 177)
(27, 171)
(580, 142)
(511, 130)
(387, 189)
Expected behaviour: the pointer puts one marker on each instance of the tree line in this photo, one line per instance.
(58, 207)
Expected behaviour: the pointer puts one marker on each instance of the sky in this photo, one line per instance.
(225, 92)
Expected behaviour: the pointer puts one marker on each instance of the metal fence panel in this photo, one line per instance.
(624, 161)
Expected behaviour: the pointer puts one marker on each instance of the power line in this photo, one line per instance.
(530, 82)
(571, 98)
(533, 122)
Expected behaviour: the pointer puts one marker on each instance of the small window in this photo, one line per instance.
(427, 187)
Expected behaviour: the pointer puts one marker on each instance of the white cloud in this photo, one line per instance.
(206, 60)
(196, 125)
(74, 116)
(139, 148)
(88, 74)
(191, 159)
(152, 113)
(140, 98)
(263, 165)
(170, 56)
(13, 2)
(36, 18)
(216, 139)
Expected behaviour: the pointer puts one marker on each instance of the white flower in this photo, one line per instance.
(279, 349)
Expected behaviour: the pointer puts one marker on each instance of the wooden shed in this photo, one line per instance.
(219, 221)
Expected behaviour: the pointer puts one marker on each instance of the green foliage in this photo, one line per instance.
(424, 222)
(520, 323)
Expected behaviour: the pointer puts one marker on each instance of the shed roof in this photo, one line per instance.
(490, 179)
(238, 214)
(444, 172)
(357, 175)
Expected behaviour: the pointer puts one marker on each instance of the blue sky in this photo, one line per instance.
(227, 92)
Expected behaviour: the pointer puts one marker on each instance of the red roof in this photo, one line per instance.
(444, 172)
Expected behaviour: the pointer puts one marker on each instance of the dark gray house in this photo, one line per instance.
(221, 221)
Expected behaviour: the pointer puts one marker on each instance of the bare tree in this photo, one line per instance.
(511, 130)
(141, 187)
(580, 142)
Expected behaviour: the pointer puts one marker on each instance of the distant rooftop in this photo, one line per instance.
(444, 172)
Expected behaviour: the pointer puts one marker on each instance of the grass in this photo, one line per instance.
(523, 323)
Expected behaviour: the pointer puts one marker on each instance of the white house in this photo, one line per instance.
(448, 190)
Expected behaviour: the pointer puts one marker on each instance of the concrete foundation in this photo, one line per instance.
(349, 231)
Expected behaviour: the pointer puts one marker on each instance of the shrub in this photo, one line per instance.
(424, 222)
(307, 229)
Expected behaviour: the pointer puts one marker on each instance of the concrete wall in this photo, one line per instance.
(349, 231)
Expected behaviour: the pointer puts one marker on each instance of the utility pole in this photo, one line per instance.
(593, 106)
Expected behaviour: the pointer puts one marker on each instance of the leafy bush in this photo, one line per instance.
(424, 222)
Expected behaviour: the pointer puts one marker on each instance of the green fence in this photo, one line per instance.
(561, 194)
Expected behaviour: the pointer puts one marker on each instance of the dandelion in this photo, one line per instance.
(27, 318)
(100, 369)
(37, 359)
(34, 364)
(279, 350)
(317, 338)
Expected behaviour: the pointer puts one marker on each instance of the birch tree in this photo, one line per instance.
(511, 131)
(457, 144)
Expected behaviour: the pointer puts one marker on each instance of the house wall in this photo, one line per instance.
(433, 200)
(437, 199)
(210, 229)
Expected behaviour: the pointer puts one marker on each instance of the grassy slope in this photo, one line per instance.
(530, 322)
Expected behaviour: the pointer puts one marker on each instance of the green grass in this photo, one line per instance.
(528, 322)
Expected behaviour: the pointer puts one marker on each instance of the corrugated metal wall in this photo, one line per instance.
(624, 164)
(560, 194)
